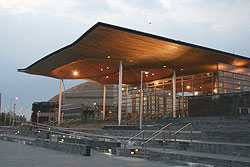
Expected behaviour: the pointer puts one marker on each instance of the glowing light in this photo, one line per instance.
(215, 90)
(110, 112)
(109, 150)
(94, 104)
(101, 69)
(200, 87)
(196, 93)
(156, 82)
(107, 77)
(123, 89)
(181, 69)
(130, 61)
(146, 72)
(188, 87)
(146, 75)
(164, 66)
(153, 74)
(108, 57)
(75, 73)
(107, 68)
(132, 152)
(169, 94)
(16, 98)
(136, 150)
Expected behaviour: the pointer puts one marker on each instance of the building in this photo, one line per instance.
(153, 75)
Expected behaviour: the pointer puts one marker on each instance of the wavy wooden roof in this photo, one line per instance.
(96, 54)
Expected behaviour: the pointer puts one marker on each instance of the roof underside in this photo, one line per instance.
(140, 51)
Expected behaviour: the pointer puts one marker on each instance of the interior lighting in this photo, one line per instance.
(181, 69)
(188, 87)
(136, 150)
(107, 67)
(130, 61)
(109, 150)
(200, 87)
(107, 77)
(132, 152)
(156, 82)
(110, 112)
(146, 72)
(75, 73)
(146, 75)
(169, 94)
(108, 57)
(153, 74)
(101, 69)
(215, 90)
(196, 93)
(164, 66)
(94, 104)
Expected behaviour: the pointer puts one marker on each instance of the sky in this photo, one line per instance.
(31, 29)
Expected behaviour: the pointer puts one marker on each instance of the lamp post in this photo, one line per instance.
(142, 72)
(11, 99)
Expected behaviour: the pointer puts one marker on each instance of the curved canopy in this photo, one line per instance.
(95, 56)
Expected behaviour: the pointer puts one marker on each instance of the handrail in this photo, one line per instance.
(135, 136)
(156, 134)
(162, 128)
(76, 132)
(181, 129)
(178, 131)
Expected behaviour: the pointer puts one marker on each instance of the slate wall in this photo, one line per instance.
(218, 105)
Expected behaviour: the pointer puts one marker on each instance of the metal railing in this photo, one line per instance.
(138, 134)
(178, 131)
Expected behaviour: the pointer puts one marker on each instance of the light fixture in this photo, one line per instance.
(153, 74)
(101, 69)
(196, 93)
(147, 75)
(146, 72)
(215, 90)
(188, 87)
(200, 87)
(156, 82)
(107, 67)
(169, 94)
(136, 150)
(130, 61)
(164, 66)
(109, 150)
(181, 69)
(16, 98)
(108, 57)
(107, 77)
(132, 152)
(75, 73)
(94, 104)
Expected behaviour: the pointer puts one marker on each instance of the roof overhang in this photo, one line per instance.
(97, 53)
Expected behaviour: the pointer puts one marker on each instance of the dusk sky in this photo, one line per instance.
(31, 29)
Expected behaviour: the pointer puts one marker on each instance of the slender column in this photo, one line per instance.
(223, 83)
(60, 103)
(174, 94)
(141, 102)
(104, 102)
(127, 100)
(120, 94)
(182, 96)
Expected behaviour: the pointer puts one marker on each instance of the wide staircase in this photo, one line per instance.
(215, 141)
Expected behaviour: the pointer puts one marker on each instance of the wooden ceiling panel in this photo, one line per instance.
(88, 55)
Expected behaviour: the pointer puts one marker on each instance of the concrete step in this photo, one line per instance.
(192, 156)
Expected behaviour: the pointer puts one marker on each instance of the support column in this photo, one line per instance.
(141, 105)
(174, 94)
(182, 97)
(120, 94)
(104, 102)
(60, 103)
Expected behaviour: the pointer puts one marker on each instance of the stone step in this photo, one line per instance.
(192, 156)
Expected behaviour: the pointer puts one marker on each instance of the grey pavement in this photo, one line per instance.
(20, 155)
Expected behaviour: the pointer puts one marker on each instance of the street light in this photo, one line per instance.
(11, 99)
(142, 72)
